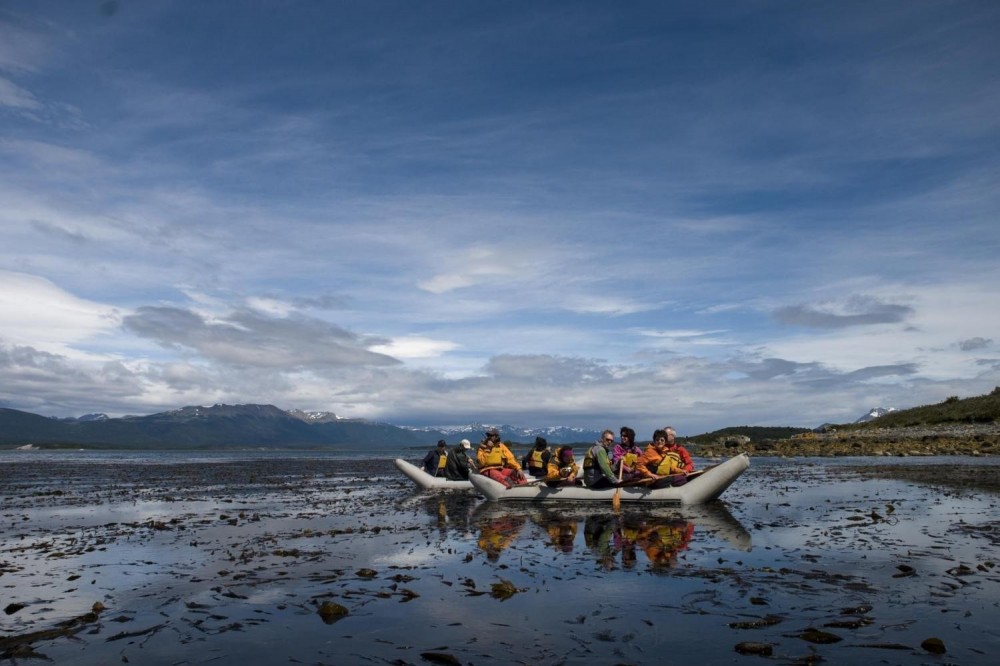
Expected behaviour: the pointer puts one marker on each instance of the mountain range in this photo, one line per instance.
(247, 426)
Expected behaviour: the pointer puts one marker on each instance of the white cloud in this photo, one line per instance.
(16, 97)
(414, 346)
(35, 311)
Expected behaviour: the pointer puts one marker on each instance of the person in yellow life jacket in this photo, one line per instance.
(497, 462)
(562, 469)
(536, 461)
(625, 455)
(436, 459)
(679, 450)
(663, 463)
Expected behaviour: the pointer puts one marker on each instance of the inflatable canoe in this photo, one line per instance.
(707, 486)
(426, 481)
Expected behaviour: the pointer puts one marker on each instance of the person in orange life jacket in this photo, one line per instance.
(597, 471)
(436, 459)
(625, 455)
(536, 461)
(562, 468)
(662, 462)
(497, 462)
(459, 463)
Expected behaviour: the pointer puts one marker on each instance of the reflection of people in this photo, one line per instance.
(459, 463)
(498, 533)
(625, 455)
(497, 462)
(597, 530)
(562, 534)
(436, 459)
(664, 461)
(661, 541)
(562, 468)
(536, 461)
(597, 472)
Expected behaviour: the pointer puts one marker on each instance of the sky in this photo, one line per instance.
(587, 214)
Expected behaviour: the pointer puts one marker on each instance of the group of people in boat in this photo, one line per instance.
(606, 464)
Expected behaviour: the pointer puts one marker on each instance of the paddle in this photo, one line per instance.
(616, 500)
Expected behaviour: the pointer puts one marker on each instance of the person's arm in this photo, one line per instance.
(605, 465)
(511, 460)
(642, 464)
(552, 473)
(687, 460)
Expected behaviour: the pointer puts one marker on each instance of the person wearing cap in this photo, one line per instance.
(459, 463)
(497, 462)
(536, 461)
(436, 460)
(562, 468)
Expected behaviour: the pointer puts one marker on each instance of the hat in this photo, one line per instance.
(493, 431)
(540, 441)
(567, 452)
(466, 444)
(441, 442)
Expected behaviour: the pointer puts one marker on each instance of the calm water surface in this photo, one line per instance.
(227, 557)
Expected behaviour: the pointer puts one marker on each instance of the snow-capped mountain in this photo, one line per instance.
(875, 413)
(315, 417)
(86, 418)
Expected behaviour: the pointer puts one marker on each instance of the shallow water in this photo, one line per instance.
(228, 559)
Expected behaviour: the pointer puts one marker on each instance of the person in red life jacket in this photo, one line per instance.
(562, 469)
(625, 455)
(497, 462)
(674, 447)
(662, 462)
(436, 460)
(536, 461)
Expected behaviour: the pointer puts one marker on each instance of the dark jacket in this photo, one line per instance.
(458, 465)
(432, 460)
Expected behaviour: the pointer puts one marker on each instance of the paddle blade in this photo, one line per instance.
(616, 500)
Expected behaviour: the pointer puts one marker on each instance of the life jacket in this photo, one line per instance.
(631, 455)
(671, 463)
(537, 460)
(443, 461)
(588, 457)
(492, 458)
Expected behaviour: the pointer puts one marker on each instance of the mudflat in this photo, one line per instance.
(313, 559)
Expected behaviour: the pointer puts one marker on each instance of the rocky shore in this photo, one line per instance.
(940, 440)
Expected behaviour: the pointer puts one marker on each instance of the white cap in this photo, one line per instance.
(466, 444)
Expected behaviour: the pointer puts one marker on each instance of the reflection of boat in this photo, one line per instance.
(425, 480)
(708, 485)
(712, 517)
(658, 532)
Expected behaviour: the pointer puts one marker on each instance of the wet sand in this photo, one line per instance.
(333, 561)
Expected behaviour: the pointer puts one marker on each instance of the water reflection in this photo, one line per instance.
(654, 536)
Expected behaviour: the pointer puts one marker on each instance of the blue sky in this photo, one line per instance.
(539, 213)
